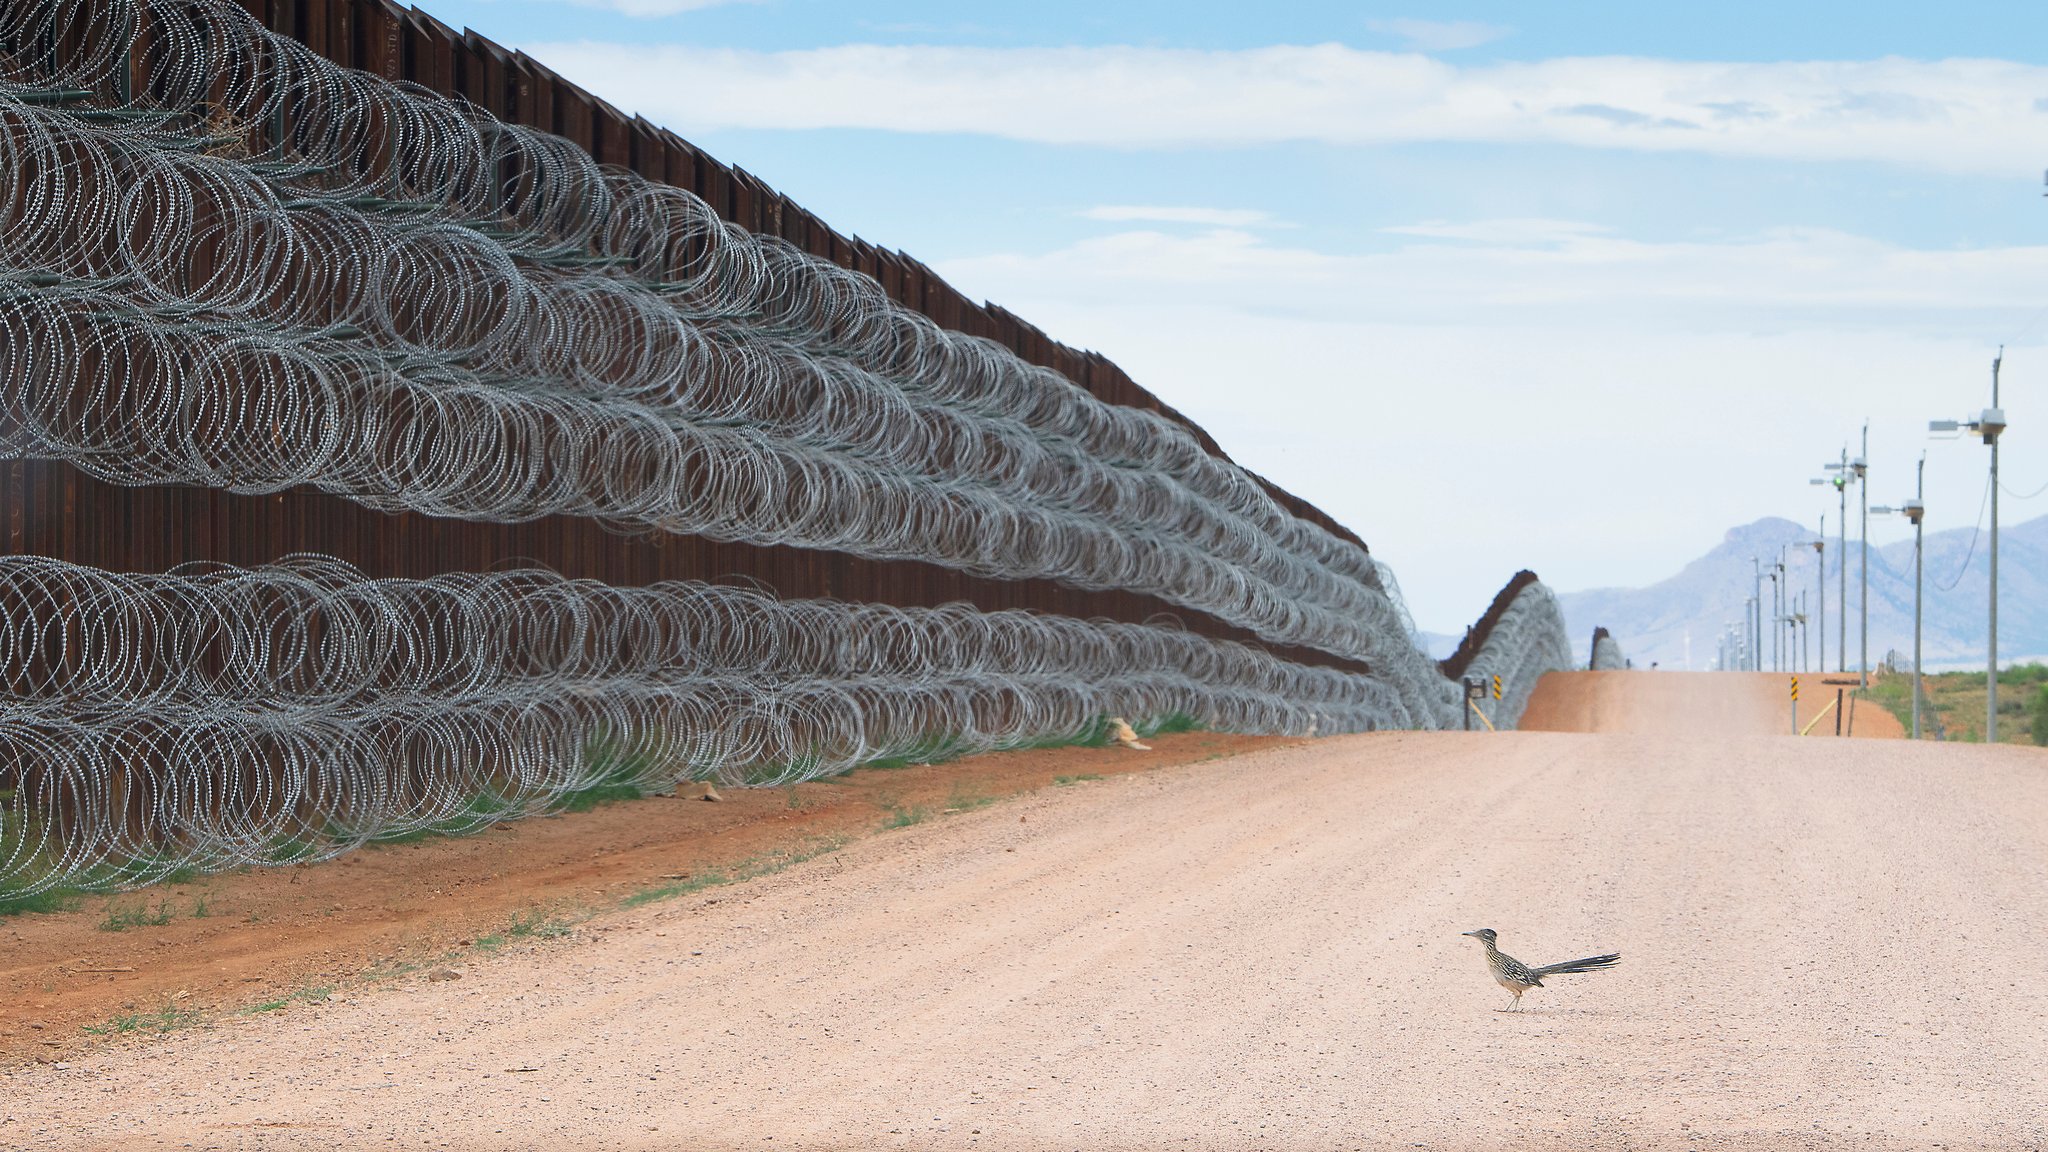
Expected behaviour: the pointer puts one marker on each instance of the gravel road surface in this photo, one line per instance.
(1826, 944)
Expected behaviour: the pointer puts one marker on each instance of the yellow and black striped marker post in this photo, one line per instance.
(1795, 706)
(1496, 686)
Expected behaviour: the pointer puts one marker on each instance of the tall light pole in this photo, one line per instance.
(1776, 627)
(1791, 628)
(1862, 471)
(1988, 424)
(1805, 638)
(1984, 425)
(1820, 584)
(1914, 510)
(1756, 615)
(1756, 659)
(1770, 614)
(1781, 642)
(1840, 480)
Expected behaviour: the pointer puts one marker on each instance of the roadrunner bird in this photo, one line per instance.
(1518, 977)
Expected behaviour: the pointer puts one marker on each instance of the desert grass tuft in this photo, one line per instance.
(169, 1018)
(120, 917)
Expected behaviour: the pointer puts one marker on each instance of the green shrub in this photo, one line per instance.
(1173, 723)
(2040, 727)
(48, 900)
(617, 766)
(928, 751)
(16, 838)
(120, 918)
(477, 813)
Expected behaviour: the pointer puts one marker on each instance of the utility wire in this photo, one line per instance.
(1976, 532)
(2028, 328)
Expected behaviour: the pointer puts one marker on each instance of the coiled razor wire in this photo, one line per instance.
(1527, 641)
(226, 261)
(305, 228)
(216, 716)
(1607, 654)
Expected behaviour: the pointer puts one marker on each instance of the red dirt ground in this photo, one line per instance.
(271, 934)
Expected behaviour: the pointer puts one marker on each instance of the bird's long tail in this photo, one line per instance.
(1589, 964)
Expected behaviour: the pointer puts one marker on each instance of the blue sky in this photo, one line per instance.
(1573, 287)
(1729, 30)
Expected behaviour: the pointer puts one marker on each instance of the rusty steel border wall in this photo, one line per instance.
(410, 45)
(1460, 661)
(1606, 654)
(52, 509)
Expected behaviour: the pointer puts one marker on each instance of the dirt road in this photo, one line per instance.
(226, 943)
(1827, 943)
(1704, 704)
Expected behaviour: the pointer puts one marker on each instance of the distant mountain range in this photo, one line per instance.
(1653, 624)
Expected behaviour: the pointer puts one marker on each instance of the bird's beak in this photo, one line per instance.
(1468, 933)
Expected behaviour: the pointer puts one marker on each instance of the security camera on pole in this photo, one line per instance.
(1989, 424)
(1840, 480)
(1781, 635)
(1845, 472)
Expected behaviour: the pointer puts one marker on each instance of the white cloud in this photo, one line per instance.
(1213, 217)
(1506, 393)
(1522, 231)
(1519, 271)
(1439, 35)
(1964, 115)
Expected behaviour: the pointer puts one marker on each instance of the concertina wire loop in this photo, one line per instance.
(214, 716)
(1607, 654)
(261, 270)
